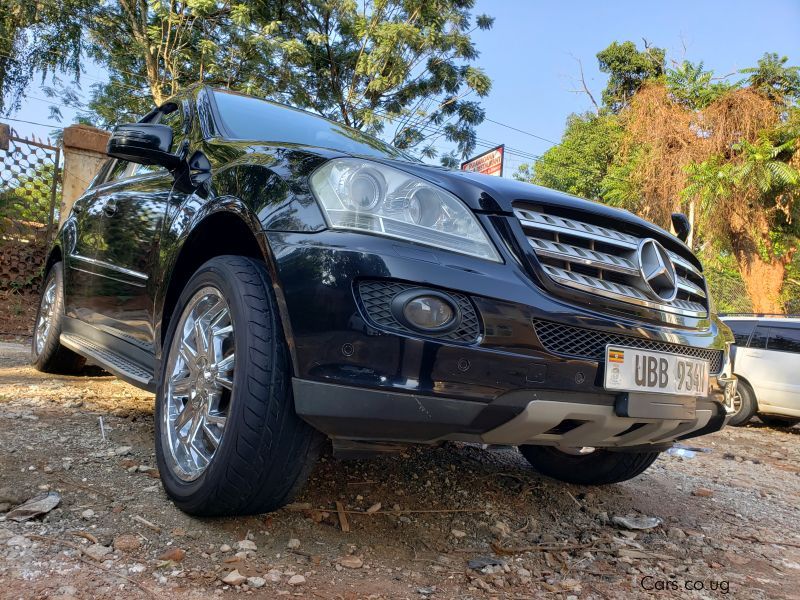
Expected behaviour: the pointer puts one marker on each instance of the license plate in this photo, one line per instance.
(636, 370)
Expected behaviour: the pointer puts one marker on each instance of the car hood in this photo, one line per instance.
(491, 194)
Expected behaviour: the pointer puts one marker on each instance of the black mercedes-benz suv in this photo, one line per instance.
(276, 278)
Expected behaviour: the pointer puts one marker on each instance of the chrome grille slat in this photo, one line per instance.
(684, 264)
(576, 228)
(687, 286)
(595, 283)
(585, 256)
(600, 260)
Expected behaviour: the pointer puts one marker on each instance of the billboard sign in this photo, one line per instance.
(488, 163)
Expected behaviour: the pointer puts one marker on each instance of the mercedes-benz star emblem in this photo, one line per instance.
(657, 271)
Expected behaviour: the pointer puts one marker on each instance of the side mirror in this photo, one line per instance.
(143, 143)
(681, 225)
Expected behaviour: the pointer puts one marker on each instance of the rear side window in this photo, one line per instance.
(784, 339)
(759, 339)
(741, 330)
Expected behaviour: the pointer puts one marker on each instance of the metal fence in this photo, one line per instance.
(30, 191)
(729, 294)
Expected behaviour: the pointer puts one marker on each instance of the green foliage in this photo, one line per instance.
(756, 175)
(404, 64)
(774, 79)
(407, 65)
(37, 38)
(580, 163)
(724, 282)
(622, 187)
(628, 68)
(693, 87)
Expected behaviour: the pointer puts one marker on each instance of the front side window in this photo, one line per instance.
(784, 339)
(759, 338)
(246, 118)
(741, 331)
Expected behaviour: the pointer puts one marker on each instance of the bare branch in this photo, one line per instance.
(585, 88)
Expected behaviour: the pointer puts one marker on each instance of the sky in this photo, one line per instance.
(532, 52)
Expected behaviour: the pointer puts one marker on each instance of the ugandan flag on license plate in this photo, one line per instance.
(616, 356)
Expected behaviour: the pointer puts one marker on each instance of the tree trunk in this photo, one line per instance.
(763, 281)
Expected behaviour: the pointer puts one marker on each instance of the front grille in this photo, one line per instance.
(578, 342)
(601, 260)
(376, 298)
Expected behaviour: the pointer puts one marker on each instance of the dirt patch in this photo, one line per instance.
(17, 314)
(730, 516)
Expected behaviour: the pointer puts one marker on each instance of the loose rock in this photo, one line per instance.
(234, 578)
(637, 522)
(38, 505)
(127, 543)
(351, 562)
(97, 551)
(173, 554)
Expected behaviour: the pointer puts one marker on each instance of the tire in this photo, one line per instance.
(47, 353)
(744, 403)
(599, 467)
(266, 451)
(776, 421)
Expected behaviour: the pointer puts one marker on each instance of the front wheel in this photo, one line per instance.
(228, 441)
(593, 467)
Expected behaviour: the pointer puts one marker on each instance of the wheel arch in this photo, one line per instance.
(55, 255)
(228, 228)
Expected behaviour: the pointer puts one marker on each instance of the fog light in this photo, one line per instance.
(428, 312)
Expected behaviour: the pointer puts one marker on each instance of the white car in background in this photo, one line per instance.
(766, 360)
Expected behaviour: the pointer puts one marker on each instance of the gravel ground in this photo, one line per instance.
(457, 521)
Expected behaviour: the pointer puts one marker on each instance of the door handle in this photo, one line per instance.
(110, 208)
(753, 353)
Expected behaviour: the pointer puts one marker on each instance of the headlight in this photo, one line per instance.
(366, 196)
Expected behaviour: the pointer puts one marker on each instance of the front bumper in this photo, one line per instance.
(355, 380)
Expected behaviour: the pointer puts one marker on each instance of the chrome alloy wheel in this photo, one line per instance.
(198, 392)
(46, 310)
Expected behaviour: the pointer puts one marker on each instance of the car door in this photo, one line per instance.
(133, 212)
(749, 362)
(82, 239)
(781, 374)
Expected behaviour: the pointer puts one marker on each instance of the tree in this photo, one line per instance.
(579, 164)
(690, 85)
(152, 49)
(752, 199)
(728, 154)
(408, 64)
(771, 77)
(37, 38)
(628, 68)
(380, 63)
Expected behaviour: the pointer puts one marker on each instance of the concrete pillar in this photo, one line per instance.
(84, 154)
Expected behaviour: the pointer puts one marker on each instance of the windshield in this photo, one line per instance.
(247, 118)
